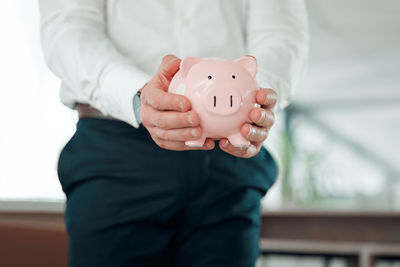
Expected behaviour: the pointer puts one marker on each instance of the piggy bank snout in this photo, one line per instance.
(222, 101)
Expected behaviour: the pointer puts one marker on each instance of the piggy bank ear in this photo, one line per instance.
(187, 63)
(249, 63)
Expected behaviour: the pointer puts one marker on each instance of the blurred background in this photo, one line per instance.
(339, 140)
(337, 143)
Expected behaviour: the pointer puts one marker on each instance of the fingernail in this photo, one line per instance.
(209, 145)
(194, 132)
(262, 117)
(251, 150)
(252, 132)
(243, 148)
(271, 96)
(271, 118)
(190, 119)
(181, 106)
(264, 134)
(225, 143)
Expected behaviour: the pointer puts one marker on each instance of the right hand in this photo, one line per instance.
(168, 117)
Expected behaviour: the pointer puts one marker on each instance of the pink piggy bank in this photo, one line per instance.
(222, 92)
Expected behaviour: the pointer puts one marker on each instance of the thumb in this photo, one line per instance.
(169, 66)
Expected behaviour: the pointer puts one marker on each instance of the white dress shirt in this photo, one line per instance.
(104, 51)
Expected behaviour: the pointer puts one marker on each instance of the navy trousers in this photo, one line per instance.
(132, 203)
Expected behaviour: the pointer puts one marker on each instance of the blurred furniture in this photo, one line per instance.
(32, 239)
(360, 237)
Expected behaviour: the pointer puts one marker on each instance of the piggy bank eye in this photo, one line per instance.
(209, 77)
(233, 77)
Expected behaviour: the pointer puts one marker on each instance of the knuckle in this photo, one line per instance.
(160, 133)
(148, 96)
(147, 100)
(156, 119)
(154, 102)
(164, 134)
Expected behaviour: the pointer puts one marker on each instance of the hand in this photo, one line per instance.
(168, 117)
(263, 118)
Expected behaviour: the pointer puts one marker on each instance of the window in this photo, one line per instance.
(34, 124)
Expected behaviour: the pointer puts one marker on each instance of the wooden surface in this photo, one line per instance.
(40, 219)
(31, 239)
(361, 237)
(357, 226)
(316, 248)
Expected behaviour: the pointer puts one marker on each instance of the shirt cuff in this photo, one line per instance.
(118, 85)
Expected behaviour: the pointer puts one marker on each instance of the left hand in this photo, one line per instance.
(263, 118)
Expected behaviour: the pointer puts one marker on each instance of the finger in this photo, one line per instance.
(169, 119)
(184, 134)
(180, 146)
(262, 117)
(167, 69)
(161, 100)
(266, 97)
(242, 152)
(254, 133)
